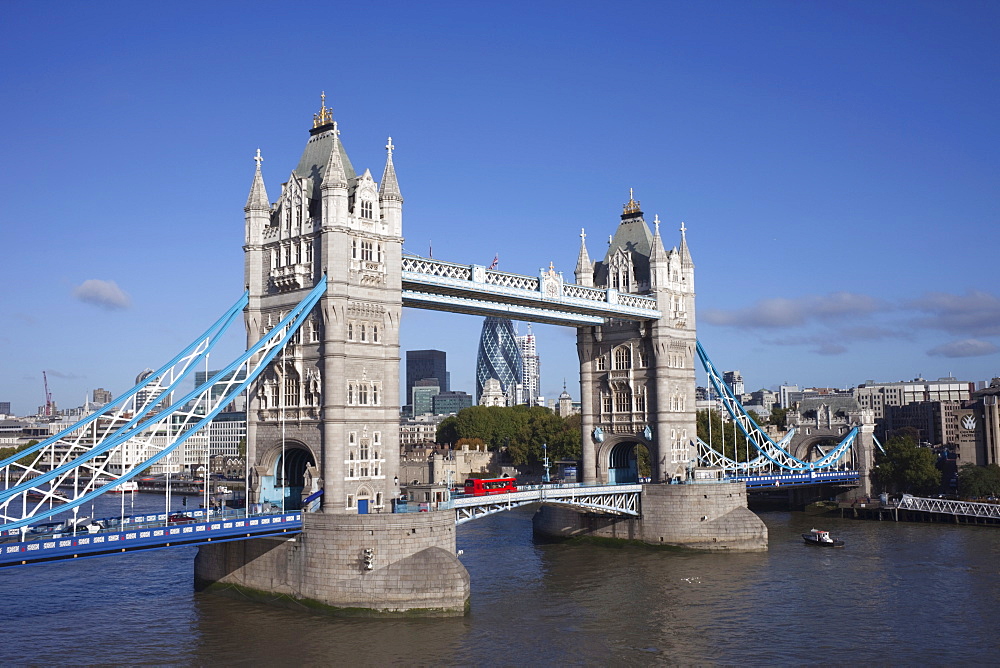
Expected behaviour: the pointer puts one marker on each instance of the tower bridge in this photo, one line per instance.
(326, 282)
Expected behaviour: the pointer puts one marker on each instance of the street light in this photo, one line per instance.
(545, 461)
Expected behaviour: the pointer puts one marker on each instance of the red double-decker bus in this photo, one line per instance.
(484, 486)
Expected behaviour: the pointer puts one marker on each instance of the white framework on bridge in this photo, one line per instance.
(623, 500)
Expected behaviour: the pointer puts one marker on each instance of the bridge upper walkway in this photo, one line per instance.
(476, 290)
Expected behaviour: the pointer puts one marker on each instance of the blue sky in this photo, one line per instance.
(835, 164)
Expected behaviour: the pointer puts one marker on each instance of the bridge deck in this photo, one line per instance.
(770, 481)
(150, 533)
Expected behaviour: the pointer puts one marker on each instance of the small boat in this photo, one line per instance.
(127, 487)
(821, 538)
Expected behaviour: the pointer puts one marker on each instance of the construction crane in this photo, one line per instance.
(48, 396)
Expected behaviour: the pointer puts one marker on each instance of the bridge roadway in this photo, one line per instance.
(157, 531)
(774, 480)
(144, 532)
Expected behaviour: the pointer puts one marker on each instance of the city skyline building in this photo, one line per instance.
(530, 383)
(499, 357)
(422, 364)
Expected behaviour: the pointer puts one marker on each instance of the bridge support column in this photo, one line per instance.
(699, 516)
(369, 565)
(865, 454)
(585, 349)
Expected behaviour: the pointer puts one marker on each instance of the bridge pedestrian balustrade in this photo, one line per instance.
(950, 507)
(147, 532)
(476, 290)
(609, 499)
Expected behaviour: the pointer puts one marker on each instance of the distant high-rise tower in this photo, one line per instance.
(735, 381)
(146, 396)
(422, 364)
(530, 378)
(499, 357)
(102, 396)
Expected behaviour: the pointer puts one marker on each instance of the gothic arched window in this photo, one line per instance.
(623, 358)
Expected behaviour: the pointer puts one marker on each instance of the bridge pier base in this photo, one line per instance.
(697, 516)
(364, 565)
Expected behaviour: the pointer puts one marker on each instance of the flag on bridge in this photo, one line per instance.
(496, 261)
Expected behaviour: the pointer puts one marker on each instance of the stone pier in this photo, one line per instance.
(412, 568)
(700, 516)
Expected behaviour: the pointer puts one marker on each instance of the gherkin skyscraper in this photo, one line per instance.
(499, 357)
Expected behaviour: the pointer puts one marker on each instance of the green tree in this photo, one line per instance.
(521, 430)
(724, 437)
(779, 417)
(907, 468)
(977, 482)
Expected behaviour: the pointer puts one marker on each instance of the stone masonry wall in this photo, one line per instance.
(415, 569)
(698, 516)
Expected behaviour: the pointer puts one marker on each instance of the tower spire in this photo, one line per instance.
(257, 201)
(389, 187)
(685, 253)
(324, 116)
(584, 271)
(334, 175)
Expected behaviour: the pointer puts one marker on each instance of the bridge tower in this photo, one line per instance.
(323, 420)
(637, 380)
(325, 415)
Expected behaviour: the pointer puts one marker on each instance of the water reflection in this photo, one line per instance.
(897, 594)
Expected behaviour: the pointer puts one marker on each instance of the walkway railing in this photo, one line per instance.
(477, 290)
(609, 499)
(950, 507)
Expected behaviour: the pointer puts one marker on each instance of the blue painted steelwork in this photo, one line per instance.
(207, 402)
(798, 479)
(771, 455)
(152, 534)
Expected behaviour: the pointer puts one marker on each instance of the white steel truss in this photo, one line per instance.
(108, 448)
(967, 508)
(606, 499)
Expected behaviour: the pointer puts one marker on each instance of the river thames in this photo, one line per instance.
(897, 594)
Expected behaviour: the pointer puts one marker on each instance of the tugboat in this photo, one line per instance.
(821, 538)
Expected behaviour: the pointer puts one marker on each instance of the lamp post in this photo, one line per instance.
(545, 461)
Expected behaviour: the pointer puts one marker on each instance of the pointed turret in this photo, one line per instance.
(334, 175)
(334, 187)
(686, 260)
(390, 199)
(257, 211)
(389, 188)
(257, 201)
(659, 259)
(584, 271)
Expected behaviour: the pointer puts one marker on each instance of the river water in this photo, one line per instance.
(897, 594)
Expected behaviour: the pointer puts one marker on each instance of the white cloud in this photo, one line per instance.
(976, 313)
(964, 348)
(780, 312)
(105, 294)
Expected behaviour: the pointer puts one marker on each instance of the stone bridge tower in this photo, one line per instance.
(637, 380)
(325, 414)
(324, 417)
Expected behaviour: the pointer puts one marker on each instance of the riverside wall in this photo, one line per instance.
(703, 516)
(415, 570)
